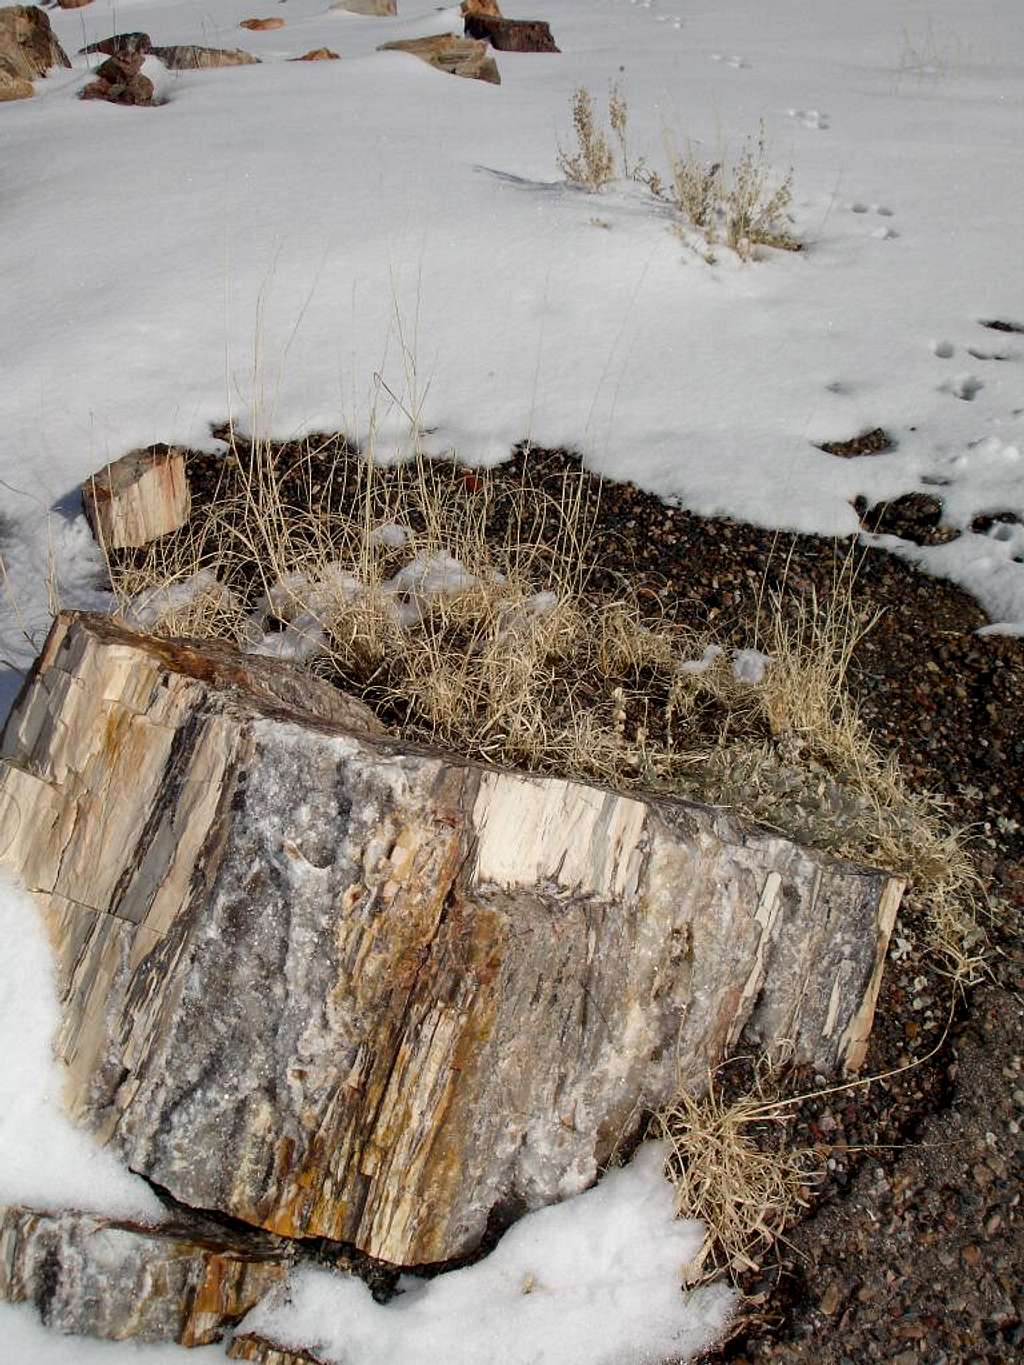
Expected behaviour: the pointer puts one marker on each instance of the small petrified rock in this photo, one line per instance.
(27, 50)
(259, 1351)
(416, 990)
(135, 90)
(144, 494)
(119, 44)
(318, 54)
(378, 9)
(259, 25)
(121, 69)
(448, 52)
(188, 57)
(102, 1277)
(510, 35)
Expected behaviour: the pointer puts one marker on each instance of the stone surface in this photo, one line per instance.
(337, 986)
(318, 54)
(480, 7)
(145, 494)
(259, 25)
(118, 71)
(100, 1277)
(447, 52)
(119, 44)
(379, 9)
(73, 4)
(28, 50)
(188, 57)
(510, 35)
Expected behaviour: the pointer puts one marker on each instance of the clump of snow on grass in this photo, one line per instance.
(45, 1162)
(592, 1281)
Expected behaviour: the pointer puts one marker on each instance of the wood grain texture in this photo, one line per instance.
(100, 1277)
(338, 986)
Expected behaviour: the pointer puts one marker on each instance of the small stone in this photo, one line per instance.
(971, 1256)
(831, 1298)
(259, 25)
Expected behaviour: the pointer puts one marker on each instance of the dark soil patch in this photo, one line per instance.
(916, 517)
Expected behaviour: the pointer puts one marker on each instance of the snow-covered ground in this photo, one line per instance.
(338, 244)
(273, 237)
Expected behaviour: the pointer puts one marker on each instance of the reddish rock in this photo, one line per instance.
(258, 25)
(73, 4)
(481, 7)
(318, 54)
(120, 70)
(510, 35)
(135, 90)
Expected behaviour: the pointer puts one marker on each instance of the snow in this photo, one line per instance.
(342, 244)
(369, 245)
(591, 1281)
(45, 1162)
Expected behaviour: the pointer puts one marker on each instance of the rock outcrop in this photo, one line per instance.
(100, 1277)
(28, 49)
(510, 35)
(447, 52)
(338, 986)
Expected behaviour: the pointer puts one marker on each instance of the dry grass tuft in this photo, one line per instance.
(733, 1168)
(592, 165)
(459, 607)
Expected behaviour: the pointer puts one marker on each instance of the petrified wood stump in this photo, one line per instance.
(510, 35)
(339, 986)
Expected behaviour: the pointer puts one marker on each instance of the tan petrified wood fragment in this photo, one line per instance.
(137, 498)
(102, 1277)
(338, 986)
(467, 57)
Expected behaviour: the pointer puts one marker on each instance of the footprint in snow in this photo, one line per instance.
(943, 349)
(810, 118)
(965, 386)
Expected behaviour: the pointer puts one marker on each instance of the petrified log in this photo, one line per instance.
(510, 35)
(99, 1277)
(448, 52)
(339, 986)
(141, 496)
(189, 57)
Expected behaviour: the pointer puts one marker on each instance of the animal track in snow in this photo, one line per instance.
(810, 118)
(943, 349)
